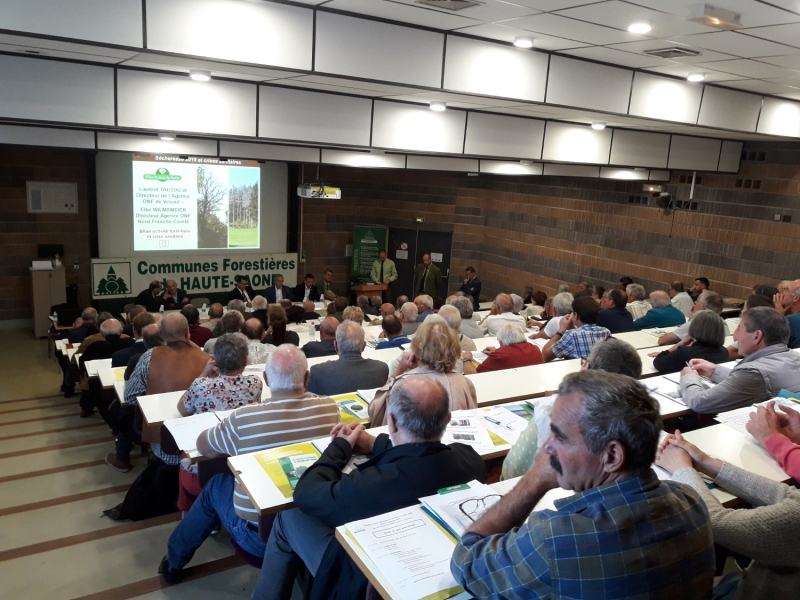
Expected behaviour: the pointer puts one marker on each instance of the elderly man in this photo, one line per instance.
(326, 346)
(340, 304)
(393, 333)
(290, 415)
(257, 351)
(309, 311)
(604, 541)
(701, 284)
(514, 351)
(768, 367)
(424, 304)
(583, 289)
(136, 309)
(405, 465)
(277, 292)
(168, 368)
(788, 303)
(352, 371)
(469, 327)
(174, 297)
(400, 301)
(502, 312)
(577, 333)
(151, 298)
(637, 301)
(408, 317)
(562, 306)
(662, 313)
(472, 287)
(386, 309)
(121, 357)
(518, 302)
(363, 303)
(680, 299)
(613, 315)
(112, 340)
(427, 277)
(215, 312)
(199, 335)
(452, 317)
(706, 301)
(231, 322)
(88, 326)
(259, 307)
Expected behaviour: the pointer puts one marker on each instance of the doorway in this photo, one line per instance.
(406, 247)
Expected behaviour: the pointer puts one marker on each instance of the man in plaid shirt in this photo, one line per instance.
(624, 534)
(577, 332)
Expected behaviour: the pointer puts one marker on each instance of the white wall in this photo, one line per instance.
(666, 99)
(564, 142)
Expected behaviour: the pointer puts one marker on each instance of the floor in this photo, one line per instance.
(55, 542)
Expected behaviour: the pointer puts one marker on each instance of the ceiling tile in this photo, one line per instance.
(488, 12)
(682, 70)
(792, 95)
(617, 57)
(503, 33)
(551, 24)
(550, 5)
(785, 34)
(621, 14)
(747, 68)
(416, 14)
(643, 45)
(790, 61)
(754, 14)
(731, 42)
(226, 71)
(792, 80)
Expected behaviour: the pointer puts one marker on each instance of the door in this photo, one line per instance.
(406, 247)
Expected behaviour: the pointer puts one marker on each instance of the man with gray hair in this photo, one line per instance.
(605, 431)
(408, 463)
(453, 318)
(708, 300)
(662, 313)
(111, 341)
(519, 303)
(637, 301)
(469, 327)
(408, 317)
(562, 305)
(352, 371)
(514, 351)
(424, 304)
(502, 312)
(363, 303)
(326, 346)
(289, 416)
(215, 313)
(231, 322)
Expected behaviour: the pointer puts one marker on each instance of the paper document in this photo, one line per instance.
(93, 366)
(737, 419)
(654, 332)
(541, 343)
(286, 473)
(466, 428)
(354, 461)
(410, 550)
(352, 409)
(186, 430)
(663, 386)
(478, 356)
(367, 395)
(119, 373)
(502, 422)
(459, 506)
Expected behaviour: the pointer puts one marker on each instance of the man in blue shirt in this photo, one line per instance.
(393, 329)
(577, 332)
(472, 287)
(623, 534)
(663, 314)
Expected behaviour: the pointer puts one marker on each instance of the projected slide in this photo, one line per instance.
(189, 203)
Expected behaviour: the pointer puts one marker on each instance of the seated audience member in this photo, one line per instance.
(169, 368)
(257, 350)
(527, 295)
(112, 340)
(393, 333)
(409, 463)
(329, 296)
(469, 327)
(340, 304)
(701, 284)
(768, 367)
(752, 301)
(563, 288)
(763, 289)
(214, 315)
(242, 291)
(434, 353)
(400, 301)
(623, 534)
(326, 286)
(121, 357)
(424, 304)
(330, 310)
(502, 312)
(309, 312)
(151, 298)
(612, 356)
(624, 282)
(352, 371)
(259, 311)
(223, 385)
(710, 301)
(637, 303)
(98, 335)
(788, 303)
(277, 333)
(386, 309)
(706, 339)
(767, 533)
(88, 326)
(453, 318)
(613, 315)
(136, 309)
(276, 293)
(514, 351)
(290, 415)
(561, 307)
(151, 335)
(294, 314)
(354, 314)
(327, 334)
(363, 303)
(306, 290)
(232, 306)
(537, 303)
(231, 322)
(408, 317)
(438, 302)
(518, 303)
(662, 313)
(779, 432)
(198, 335)
(286, 304)
(174, 297)
(375, 302)
(583, 289)
(597, 292)
(577, 333)
(680, 299)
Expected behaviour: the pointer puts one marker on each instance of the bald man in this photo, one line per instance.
(112, 340)
(309, 311)
(327, 335)
(663, 314)
(502, 312)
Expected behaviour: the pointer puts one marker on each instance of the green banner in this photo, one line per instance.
(368, 241)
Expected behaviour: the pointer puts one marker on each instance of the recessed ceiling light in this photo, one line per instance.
(167, 137)
(598, 125)
(438, 106)
(696, 77)
(200, 75)
(640, 27)
(523, 41)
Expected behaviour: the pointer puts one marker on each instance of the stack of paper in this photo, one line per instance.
(502, 422)
(737, 419)
(466, 428)
(285, 465)
(185, 431)
(352, 409)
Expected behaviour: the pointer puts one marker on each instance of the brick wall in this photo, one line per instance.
(20, 232)
(549, 230)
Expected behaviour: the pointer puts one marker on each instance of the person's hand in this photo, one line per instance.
(489, 349)
(211, 369)
(777, 301)
(543, 471)
(699, 459)
(407, 362)
(653, 354)
(703, 367)
(672, 458)
(764, 422)
(466, 355)
(364, 443)
(350, 434)
(686, 341)
(566, 323)
(185, 300)
(387, 281)
(790, 423)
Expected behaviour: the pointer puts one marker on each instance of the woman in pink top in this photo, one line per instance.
(780, 434)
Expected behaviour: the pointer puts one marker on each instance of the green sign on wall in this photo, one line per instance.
(368, 241)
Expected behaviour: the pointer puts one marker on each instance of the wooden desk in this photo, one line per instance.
(370, 290)
(93, 366)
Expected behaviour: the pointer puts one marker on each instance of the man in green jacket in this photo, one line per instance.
(427, 278)
(384, 271)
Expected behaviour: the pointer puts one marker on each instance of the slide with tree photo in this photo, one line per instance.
(190, 203)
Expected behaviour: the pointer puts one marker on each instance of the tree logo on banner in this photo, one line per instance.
(369, 238)
(111, 285)
(162, 175)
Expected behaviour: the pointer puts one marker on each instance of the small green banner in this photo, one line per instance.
(368, 241)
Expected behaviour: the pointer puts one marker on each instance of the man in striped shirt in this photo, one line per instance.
(290, 415)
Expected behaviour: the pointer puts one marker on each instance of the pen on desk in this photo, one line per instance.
(498, 423)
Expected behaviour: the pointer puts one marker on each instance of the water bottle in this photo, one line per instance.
(55, 317)
(161, 309)
(312, 332)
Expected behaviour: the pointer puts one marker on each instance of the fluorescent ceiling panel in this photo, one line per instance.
(665, 99)
(728, 109)
(780, 117)
(628, 174)
(502, 167)
(639, 148)
(576, 143)
(695, 154)
(570, 79)
(409, 127)
(499, 135)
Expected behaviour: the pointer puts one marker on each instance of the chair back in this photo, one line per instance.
(198, 302)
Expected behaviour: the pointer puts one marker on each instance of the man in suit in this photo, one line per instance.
(276, 292)
(112, 339)
(352, 371)
(309, 314)
(327, 283)
(472, 287)
(427, 277)
(306, 290)
(151, 298)
(384, 271)
(326, 346)
(174, 298)
(120, 358)
(242, 291)
(260, 311)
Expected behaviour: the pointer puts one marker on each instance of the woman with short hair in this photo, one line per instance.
(706, 340)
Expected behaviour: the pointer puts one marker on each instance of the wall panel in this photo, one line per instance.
(500, 135)
(503, 167)
(413, 127)
(268, 152)
(664, 98)
(694, 154)
(46, 136)
(779, 117)
(575, 143)
(639, 148)
(363, 159)
(151, 144)
(729, 109)
(585, 84)
(443, 163)
(730, 156)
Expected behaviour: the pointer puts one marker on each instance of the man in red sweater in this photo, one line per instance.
(514, 351)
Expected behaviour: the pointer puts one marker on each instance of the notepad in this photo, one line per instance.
(186, 430)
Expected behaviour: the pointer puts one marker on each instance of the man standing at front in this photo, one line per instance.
(472, 287)
(427, 278)
(384, 271)
(623, 534)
